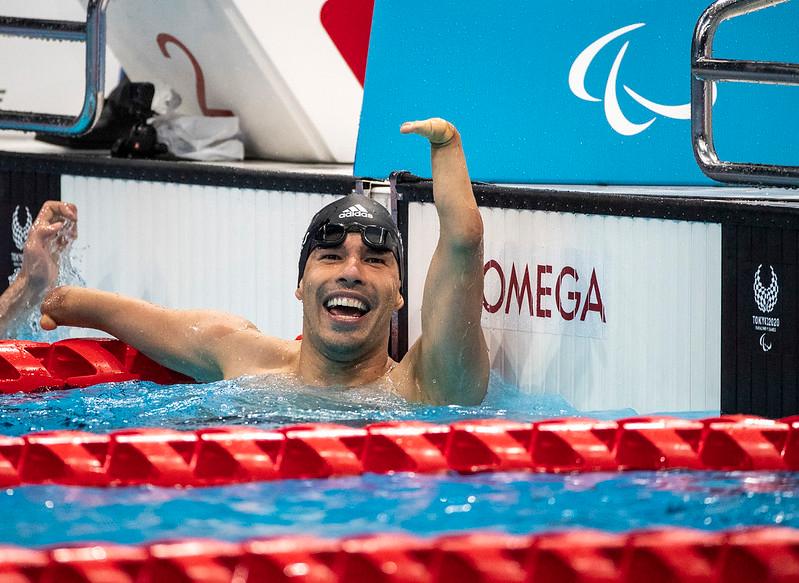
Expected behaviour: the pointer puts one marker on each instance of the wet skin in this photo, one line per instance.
(349, 293)
(344, 342)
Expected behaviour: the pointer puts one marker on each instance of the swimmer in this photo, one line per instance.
(350, 272)
(52, 231)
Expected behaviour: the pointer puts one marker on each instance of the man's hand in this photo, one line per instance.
(52, 231)
(439, 131)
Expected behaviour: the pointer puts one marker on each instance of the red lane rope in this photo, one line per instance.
(227, 455)
(579, 556)
(81, 362)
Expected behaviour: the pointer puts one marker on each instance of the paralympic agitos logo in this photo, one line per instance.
(548, 291)
(616, 118)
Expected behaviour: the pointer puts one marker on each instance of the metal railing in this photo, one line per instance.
(92, 33)
(707, 70)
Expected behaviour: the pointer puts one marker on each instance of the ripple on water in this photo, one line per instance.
(266, 401)
(518, 503)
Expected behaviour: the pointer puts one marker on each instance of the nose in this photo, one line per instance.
(350, 273)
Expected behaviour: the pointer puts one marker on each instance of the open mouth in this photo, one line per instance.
(346, 308)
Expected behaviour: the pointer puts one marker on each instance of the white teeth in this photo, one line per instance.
(346, 303)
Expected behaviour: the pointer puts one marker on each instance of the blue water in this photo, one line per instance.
(424, 505)
(260, 401)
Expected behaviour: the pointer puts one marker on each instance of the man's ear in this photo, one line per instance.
(298, 291)
(399, 302)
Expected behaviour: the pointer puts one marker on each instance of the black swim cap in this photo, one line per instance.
(355, 212)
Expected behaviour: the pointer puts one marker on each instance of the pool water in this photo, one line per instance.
(258, 401)
(516, 503)
(423, 505)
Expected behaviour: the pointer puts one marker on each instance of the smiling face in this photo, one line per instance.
(349, 293)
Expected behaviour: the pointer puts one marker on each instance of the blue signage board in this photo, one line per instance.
(570, 92)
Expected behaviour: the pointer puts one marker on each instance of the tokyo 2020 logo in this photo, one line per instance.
(766, 297)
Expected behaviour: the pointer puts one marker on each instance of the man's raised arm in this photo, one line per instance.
(450, 359)
(53, 230)
(203, 344)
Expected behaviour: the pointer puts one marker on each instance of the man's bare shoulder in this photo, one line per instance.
(403, 376)
(248, 351)
(434, 384)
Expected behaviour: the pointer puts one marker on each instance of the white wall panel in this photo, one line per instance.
(660, 284)
(187, 246)
(236, 250)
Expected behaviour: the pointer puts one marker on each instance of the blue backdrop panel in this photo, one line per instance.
(530, 111)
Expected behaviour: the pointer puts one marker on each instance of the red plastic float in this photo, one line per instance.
(743, 442)
(405, 446)
(573, 445)
(383, 558)
(768, 554)
(581, 556)
(94, 564)
(677, 554)
(288, 560)
(188, 561)
(478, 557)
(79, 362)
(236, 454)
(485, 445)
(64, 457)
(18, 565)
(321, 450)
(227, 455)
(659, 443)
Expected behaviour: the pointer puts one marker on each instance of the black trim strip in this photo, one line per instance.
(181, 172)
(759, 374)
(732, 211)
(729, 320)
(402, 224)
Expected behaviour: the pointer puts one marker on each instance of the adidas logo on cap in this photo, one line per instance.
(356, 210)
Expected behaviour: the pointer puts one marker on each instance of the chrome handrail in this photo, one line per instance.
(706, 70)
(91, 32)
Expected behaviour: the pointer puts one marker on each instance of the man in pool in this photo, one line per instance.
(349, 285)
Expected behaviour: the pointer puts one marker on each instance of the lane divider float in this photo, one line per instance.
(77, 362)
(226, 455)
(764, 554)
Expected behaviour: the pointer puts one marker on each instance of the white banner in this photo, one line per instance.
(190, 246)
(609, 312)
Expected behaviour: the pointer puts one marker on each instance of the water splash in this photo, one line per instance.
(69, 273)
(267, 401)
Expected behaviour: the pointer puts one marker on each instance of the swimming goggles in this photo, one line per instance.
(333, 234)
